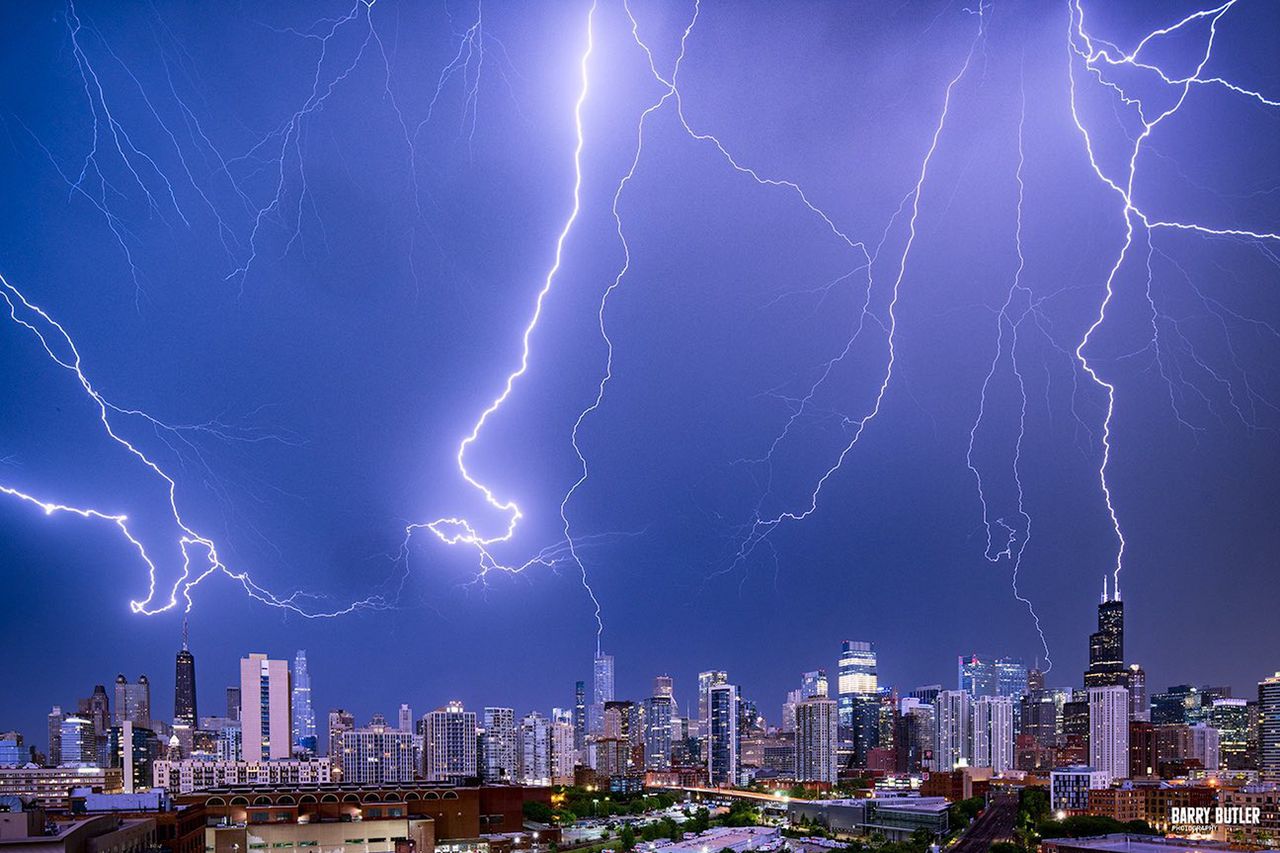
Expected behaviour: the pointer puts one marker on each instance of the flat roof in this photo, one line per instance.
(1125, 843)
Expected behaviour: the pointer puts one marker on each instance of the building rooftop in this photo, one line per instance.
(715, 840)
(1125, 843)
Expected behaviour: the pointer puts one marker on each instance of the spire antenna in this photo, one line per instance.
(1104, 589)
(184, 633)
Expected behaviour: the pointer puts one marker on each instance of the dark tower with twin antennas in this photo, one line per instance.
(1106, 645)
(184, 684)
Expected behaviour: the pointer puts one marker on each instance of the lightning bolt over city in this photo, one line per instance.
(513, 198)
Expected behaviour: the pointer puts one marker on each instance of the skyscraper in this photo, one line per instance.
(563, 755)
(184, 685)
(722, 739)
(54, 757)
(817, 722)
(953, 712)
(859, 701)
(449, 744)
(78, 744)
(500, 764)
(1139, 706)
(707, 680)
(404, 720)
(534, 744)
(339, 721)
(96, 707)
(264, 712)
(993, 732)
(813, 685)
(1109, 730)
(233, 703)
(986, 675)
(663, 686)
(602, 691)
(580, 716)
(304, 716)
(133, 702)
(1106, 645)
(1269, 728)
(658, 711)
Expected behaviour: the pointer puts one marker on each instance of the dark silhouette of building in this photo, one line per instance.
(1106, 645)
(184, 685)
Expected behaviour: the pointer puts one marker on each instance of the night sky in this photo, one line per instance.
(308, 238)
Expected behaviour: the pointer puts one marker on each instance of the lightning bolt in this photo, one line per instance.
(61, 349)
(1096, 56)
(457, 530)
(1015, 540)
(762, 527)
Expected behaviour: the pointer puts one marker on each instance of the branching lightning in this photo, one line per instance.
(1097, 56)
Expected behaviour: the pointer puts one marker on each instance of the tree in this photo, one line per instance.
(627, 837)
(537, 812)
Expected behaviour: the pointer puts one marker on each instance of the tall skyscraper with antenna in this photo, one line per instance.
(1106, 645)
(184, 684)
(304, 716)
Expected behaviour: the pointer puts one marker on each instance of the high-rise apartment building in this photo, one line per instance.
(500, 746)
(917, 736)
(658, 711)
(954, 714)
(534, 750)
(707, 680)
(1109, 730)
(376, 755)
(132, 702)
(563, 756)
(1231, 718)
(304, 716)
(265, 717)
(1269, 728)
(817, 726)
(449, 744)
(601, 691)
(184, 685)
(1106, 645)
(722, 735)
(339, 721)
(993, 732)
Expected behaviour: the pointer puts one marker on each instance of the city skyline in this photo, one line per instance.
(367, 387)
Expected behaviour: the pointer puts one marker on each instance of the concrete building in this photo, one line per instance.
(449, 745)
(500, 765)
(993, 732)
(188, 775)
(1109, 730)
(953, 713)
(97, 834)
(817, 735)
(1069, 787)
(377, 755)
(265, 718)
(896, 818)
(50, 787)
(1205, 746)
(658, 711)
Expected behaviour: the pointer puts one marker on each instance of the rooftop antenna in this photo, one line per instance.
(184, 633)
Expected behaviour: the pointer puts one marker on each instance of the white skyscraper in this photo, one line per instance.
(1109, 730)
(1205, 746)
(993, 732)
(563, 755)
(304, 717)
(534, 749)
(707, 680)
(952, 710)
(602, 691)
(817, 725)
(404, 721)
(500, 745)
(449, 744)
(265, 719)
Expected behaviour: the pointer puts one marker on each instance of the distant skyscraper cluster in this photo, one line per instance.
(999, 718)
